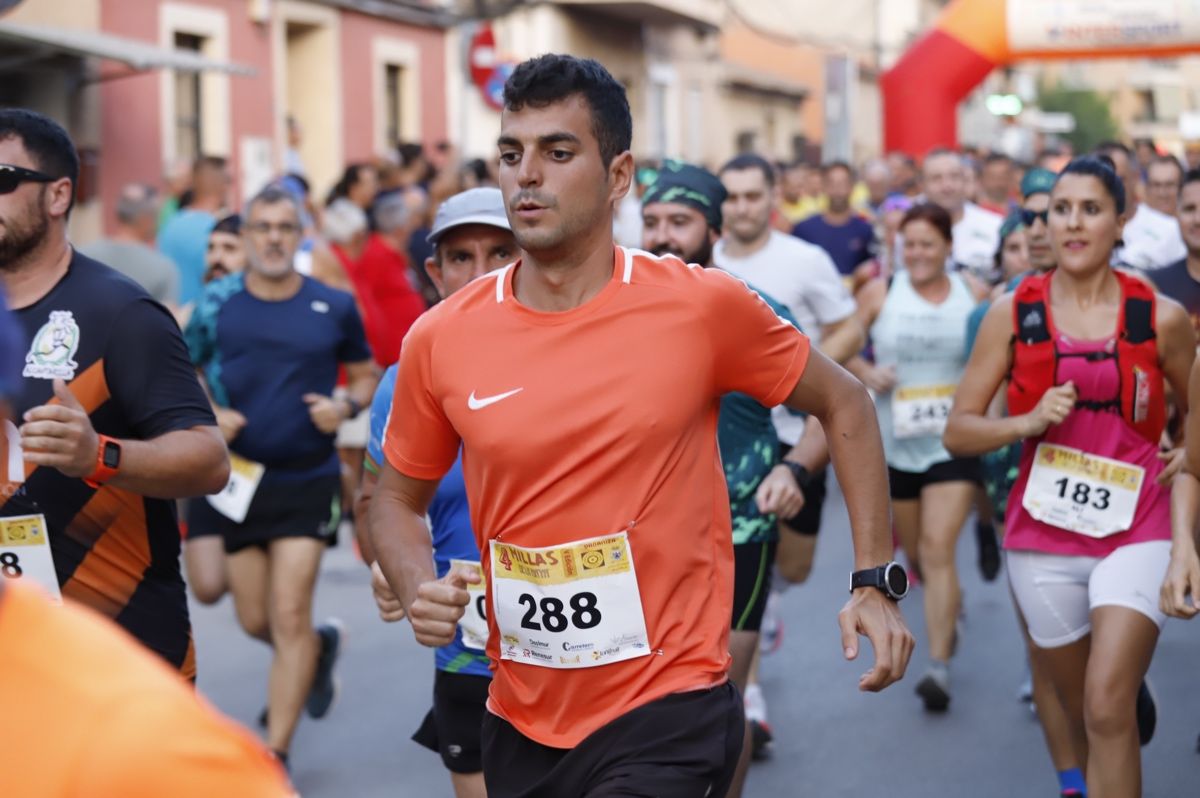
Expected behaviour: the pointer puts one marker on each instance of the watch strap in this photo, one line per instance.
(799, 473)
(103, 472)
(870, 577)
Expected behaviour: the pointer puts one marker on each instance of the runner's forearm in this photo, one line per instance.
(362, 510)
(1185, 509)
(843, 340)
(362, 380)
(857, 453)
(970, 434)
(400, 538)
(812, 450)
(847, 414)
(177, 465)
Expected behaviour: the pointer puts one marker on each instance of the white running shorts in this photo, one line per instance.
(1057, 592)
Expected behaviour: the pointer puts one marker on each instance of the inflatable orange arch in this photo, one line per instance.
(922, 91)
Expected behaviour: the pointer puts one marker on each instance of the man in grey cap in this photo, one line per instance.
(470, 236)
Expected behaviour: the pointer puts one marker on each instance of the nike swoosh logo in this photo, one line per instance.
(479, 404)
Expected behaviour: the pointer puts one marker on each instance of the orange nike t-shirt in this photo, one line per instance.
(89, 712)
(588, 423)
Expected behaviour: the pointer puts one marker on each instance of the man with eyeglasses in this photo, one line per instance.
(269, 342)
(113, 423)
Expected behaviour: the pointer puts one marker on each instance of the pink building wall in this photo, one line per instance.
(358, 32)
(131, 147)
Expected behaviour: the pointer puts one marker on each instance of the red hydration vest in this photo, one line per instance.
(1142, 402)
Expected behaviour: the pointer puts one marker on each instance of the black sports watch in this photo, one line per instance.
(353, 404)
(890, 579)
(799, 473)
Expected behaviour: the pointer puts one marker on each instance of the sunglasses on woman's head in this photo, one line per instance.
(13, 176)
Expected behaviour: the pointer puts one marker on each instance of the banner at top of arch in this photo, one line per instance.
(922, 91)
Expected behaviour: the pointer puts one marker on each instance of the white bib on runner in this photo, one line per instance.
(25, 552)
(474, 623)
(576, 605)
(234, 501)
(1080, 492)
(921, 411)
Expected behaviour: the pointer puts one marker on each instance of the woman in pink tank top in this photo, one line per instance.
(1088, 525)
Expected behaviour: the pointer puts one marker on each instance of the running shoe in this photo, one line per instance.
(326, 685)
(1147, 712)
(934, 689)
(989, 551)
(1025, 691)
(760, 741)
(771, 631)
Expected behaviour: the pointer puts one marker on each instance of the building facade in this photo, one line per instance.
(355, 76)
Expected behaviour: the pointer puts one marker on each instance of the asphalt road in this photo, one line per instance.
(831, 740)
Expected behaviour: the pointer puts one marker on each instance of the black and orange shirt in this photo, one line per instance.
(123, 358)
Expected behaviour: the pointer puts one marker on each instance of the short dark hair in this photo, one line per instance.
(749, 160)
(208, 162)
(554, 77)
(938, 152)
(273, 195)
(935, 215)
(231, 224)
(1109, 147)
(1168, 159)
(997, 157)
(1094, 166)
(46, 142)
(835, 165)
(350, 176)
(1189, 177)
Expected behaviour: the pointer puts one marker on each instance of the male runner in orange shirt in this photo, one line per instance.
(88, 712)
(583, 384)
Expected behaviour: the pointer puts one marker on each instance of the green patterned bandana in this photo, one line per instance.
(688, 185)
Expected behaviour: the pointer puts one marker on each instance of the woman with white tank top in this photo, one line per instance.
(918, 321)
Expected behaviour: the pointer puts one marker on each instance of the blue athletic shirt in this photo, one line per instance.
(449, 523)
(260, 358)
(184, 239)
(848, 244)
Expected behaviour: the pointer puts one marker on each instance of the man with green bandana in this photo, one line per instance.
(681, 216)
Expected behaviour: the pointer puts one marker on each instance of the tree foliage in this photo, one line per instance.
(1094, 122)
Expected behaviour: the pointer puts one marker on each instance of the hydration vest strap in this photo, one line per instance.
(1032, 325)
(1139, 326)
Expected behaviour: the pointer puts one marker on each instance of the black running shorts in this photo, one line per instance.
(288, 510)
(907, 485)
(685, 745)
(752, 565)
(453, 727)
(808, 520)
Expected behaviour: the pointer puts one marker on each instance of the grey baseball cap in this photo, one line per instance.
(473, 206)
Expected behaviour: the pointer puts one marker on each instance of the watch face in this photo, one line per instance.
(112, 455)
(897, 579)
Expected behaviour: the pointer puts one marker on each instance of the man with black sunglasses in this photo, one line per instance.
(113, 423)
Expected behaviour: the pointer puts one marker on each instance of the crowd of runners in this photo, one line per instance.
(963, 340)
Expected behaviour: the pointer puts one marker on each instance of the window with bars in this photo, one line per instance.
(188, 103)
(393, 82)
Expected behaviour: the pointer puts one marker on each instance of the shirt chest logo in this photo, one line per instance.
(482, 402)
(52, 353)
